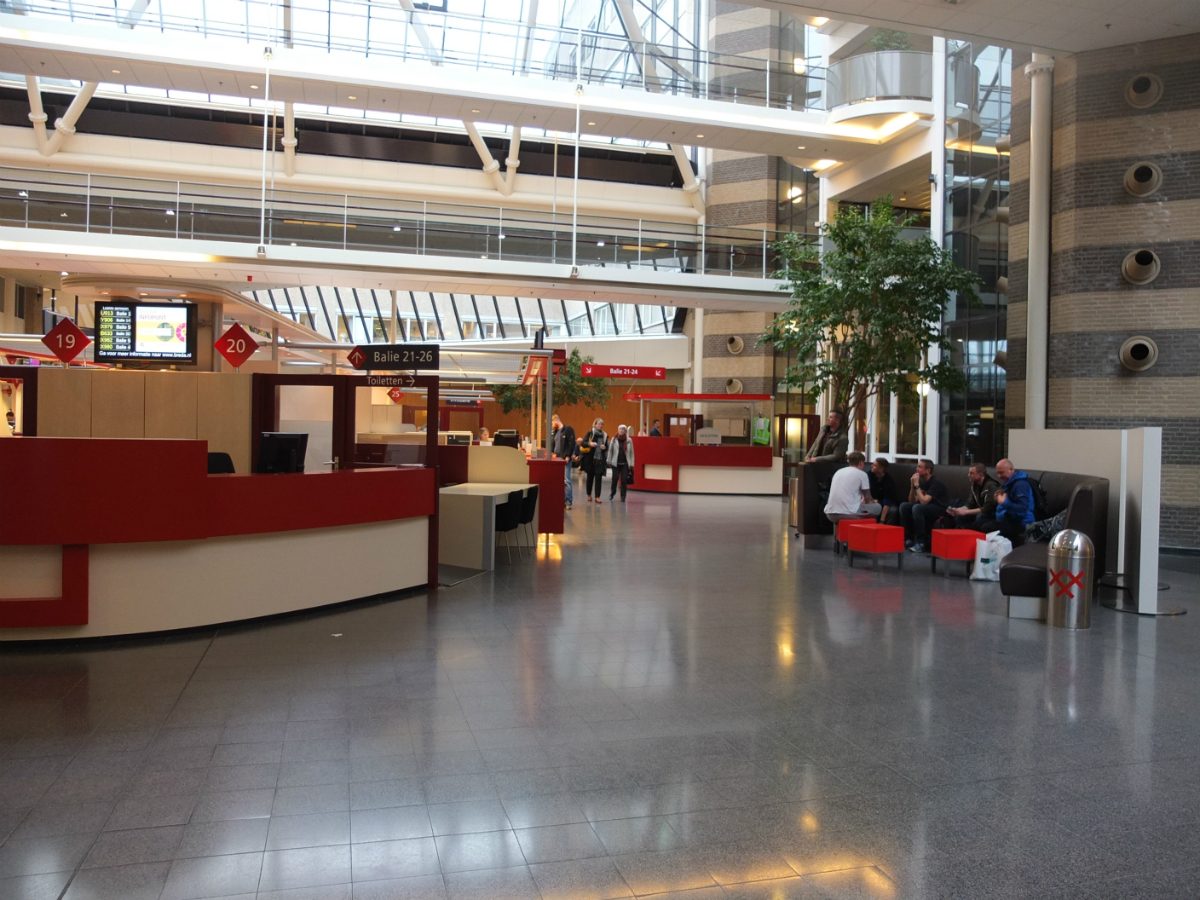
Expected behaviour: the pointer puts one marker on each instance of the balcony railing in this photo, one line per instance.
(106, 204)
(885, 75)
(387, 31)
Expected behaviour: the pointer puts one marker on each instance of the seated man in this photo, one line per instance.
(926, 503)
(981, 504)
(1014, 504)
(830, 444)
(883, 489)
(850, 492)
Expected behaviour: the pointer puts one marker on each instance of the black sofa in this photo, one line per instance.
(1022, 572)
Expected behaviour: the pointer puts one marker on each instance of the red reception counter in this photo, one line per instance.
(107, 537)
(667, 465)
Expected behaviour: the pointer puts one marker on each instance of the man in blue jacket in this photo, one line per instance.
(1014, 503)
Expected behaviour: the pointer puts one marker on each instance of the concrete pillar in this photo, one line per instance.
(1040, 73)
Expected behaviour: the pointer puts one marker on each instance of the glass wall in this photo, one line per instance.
(978, 113)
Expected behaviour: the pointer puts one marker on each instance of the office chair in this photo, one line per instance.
(528, 511)
(220, 464)
(508, 518)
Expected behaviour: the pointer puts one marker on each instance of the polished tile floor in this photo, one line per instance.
(674, 698)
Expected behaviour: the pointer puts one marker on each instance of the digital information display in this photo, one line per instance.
(145, 331)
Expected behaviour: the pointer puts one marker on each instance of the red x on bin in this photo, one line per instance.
(1064, 580)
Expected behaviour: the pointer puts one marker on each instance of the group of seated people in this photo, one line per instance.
(1006, 505)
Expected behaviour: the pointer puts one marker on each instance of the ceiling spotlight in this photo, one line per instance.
(903, 198)
(801, 147)
(799, 66)
(395, 228)
(116, 71)
(170, 212)
(475, 111)
(254, 87)
(351, 97)
(22, 193)
(699, 135)
(599, 243)
(591, 124)
(62, 215)
(64, 274)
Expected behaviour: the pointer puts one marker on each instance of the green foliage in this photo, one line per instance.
(570, 387)
(864, 313)
(886, 39)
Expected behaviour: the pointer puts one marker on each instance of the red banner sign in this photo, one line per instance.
(65, 340)
(236, 345)
(651, 373)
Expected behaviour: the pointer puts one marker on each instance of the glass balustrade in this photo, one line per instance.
(391, 33)
(106, 204)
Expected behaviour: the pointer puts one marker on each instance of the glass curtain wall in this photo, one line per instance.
(978, 113)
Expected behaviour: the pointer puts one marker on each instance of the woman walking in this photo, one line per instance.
(620, 460)
(594, 448)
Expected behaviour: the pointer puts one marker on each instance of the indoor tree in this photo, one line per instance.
(570, 388)
(866, 311)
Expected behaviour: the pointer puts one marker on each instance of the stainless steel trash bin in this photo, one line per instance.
(794, 512)
(1070, 580)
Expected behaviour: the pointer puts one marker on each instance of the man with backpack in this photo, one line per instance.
(1015, 503)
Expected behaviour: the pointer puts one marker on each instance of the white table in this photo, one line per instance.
(467, 522)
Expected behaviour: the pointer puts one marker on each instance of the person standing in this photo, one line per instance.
(562, 446)
(655, 431)
(926, 502)
(850, 492)
(593, 448)
(831, 442)
(620, 460)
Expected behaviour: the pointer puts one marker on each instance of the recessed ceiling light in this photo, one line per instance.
(819, 21)
(395, 228)
(475, 111)
(351, 97)
(592, 124)
(64, 274)
(801, 147)
(254, 87)
(599, 243)
(699, 135)
(62, 215)
(116, 71)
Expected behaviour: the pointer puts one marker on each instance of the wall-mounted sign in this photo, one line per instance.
(373, 357)
(65, 340)
(650, 373)
(391, 381)
(396, 394)
(236, 345)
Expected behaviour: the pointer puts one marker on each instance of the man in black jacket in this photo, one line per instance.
(981, 504)
(883, 490)
(926, 501)
(562, 446)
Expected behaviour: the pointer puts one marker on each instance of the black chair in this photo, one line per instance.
(508, 518)
(528, 511)
(220, 464)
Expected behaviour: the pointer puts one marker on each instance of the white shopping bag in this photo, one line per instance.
(988, 554)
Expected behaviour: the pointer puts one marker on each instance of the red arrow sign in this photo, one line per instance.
(65, 340)
(236, 345)
(648, 373)
(356, 357)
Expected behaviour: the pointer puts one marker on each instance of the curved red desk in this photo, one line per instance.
(149, 541)
(666, 465)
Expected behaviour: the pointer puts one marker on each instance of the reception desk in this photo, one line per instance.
(666, 465)
(109, 537)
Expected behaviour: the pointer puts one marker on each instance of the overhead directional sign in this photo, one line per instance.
(65, 340)
(376, 357)
(649, 373)
(391, 381)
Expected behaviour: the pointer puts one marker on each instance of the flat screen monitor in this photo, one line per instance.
(506, 437)
(281, 451)
(145, 332)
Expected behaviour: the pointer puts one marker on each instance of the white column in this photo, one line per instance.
(1040, 73)
(698, 353)
(932, 423)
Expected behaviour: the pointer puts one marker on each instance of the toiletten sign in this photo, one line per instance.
(649, 373)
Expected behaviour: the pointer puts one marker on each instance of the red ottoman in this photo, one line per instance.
(839, 535)
(954, 543)
(871, 537)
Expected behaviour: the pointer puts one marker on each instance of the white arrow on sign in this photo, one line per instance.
(659, 373)
(356, 357)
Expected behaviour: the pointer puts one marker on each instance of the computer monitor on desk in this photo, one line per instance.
(506, 437)
(281, 451)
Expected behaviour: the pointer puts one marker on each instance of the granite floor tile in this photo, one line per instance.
(391, 792)
(485, 850)
(137, 882)
(580, 879)
(420, 887)
(142, 845)
(50, 819)
(492, 884)
(43, 855)
(152, 811)
(213, 876)
(223, 837)
(468, 816)
(549, 809)
(556, 843)
(315, 798)
(310, 830)
(394, 859)
(307, 867)
(656, 873)
(390, 824)
(794, 888)
(34, 887)
(245, 804)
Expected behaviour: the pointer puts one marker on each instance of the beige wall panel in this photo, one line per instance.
(65, 402)
(1014, 403)
(1127, 310)
(1126, 137)
(738, 367)
(1112, 397)
(1066, 68)
(1018, 160)
(223, 415)
(1018, 321)
(736, 323)
(1181, 485)
(171, 405)
(1100, 226)
(1018, 242)
(119, 404)
(1142, 57)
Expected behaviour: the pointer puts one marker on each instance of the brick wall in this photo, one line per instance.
(1098, 136)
